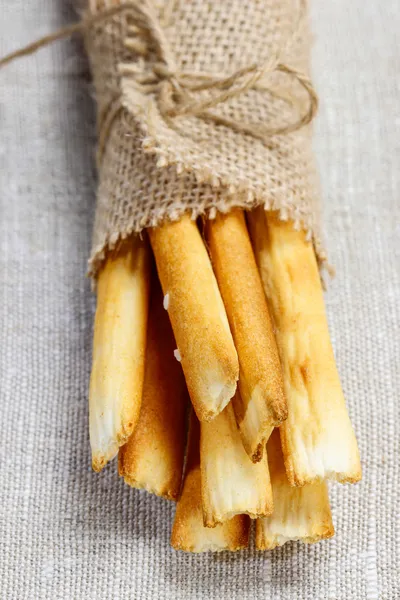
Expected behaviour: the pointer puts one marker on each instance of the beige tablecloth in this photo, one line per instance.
(68, 533)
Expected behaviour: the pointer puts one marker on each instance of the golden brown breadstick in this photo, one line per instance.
(197, 314)
(153, 456)
(119, 347)
(188, 532)
(300, 513)
(231, 484)
(261, 403)
(317, 438)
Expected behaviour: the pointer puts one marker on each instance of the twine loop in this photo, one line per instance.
(176, 90)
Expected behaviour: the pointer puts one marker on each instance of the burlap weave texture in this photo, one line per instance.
(154, 169)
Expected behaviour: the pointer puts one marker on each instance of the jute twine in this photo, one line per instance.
(175, 88)
(147, 89)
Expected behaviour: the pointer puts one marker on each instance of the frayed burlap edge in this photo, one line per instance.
(281, 203)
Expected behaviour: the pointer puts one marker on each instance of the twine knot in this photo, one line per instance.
(178, 92)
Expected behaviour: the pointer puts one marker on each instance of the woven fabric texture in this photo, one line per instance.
(153, 168)
(67, 533)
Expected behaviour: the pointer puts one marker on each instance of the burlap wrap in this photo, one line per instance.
(152, 168)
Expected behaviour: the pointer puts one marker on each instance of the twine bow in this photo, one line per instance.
(176, 90)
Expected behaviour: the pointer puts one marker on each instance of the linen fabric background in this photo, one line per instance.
(68, 533)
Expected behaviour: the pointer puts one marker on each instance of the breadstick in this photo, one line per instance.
(197, 314)
(188, 532)
(301, 513)
(231, 484)
(318, 441)
(119, 347)
(261, 404)
(153, 456)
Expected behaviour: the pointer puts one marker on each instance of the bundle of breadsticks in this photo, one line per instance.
(213, 378)
(240, 333)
